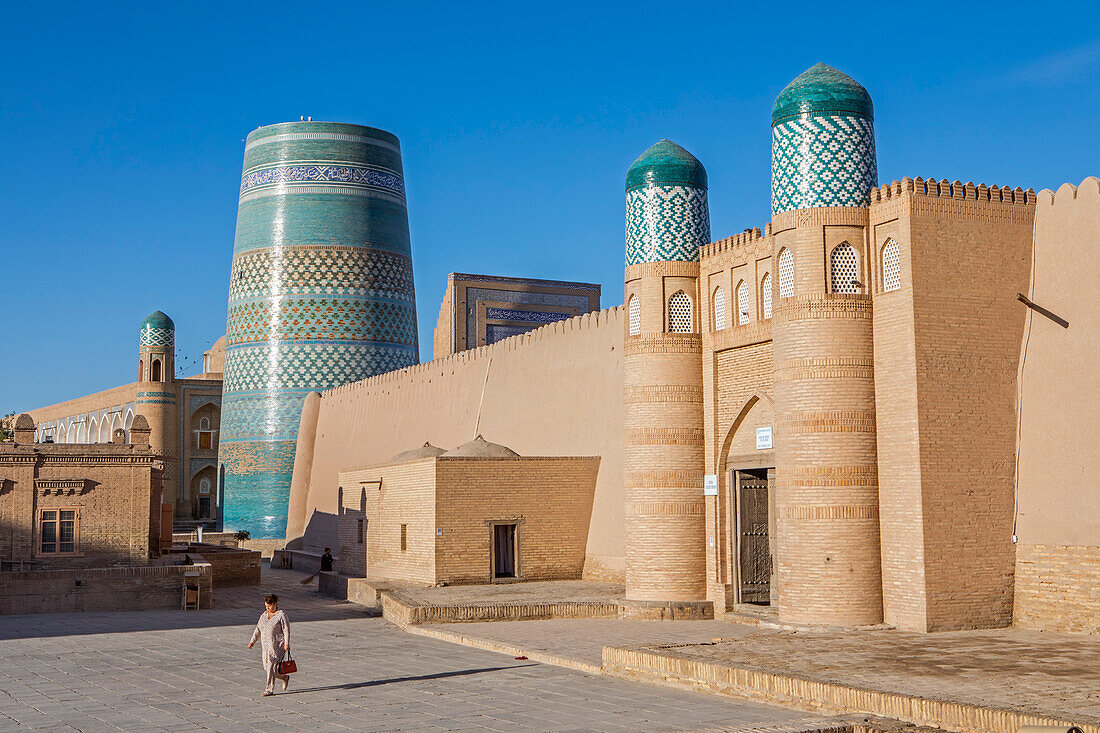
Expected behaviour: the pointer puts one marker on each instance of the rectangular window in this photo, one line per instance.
(360, 531)
(404, 537)
(58, 531)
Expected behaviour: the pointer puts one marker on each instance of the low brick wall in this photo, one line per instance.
(403, 611)
(225, 539)
(104, 589)
(1057, 588)
(305, 561)
(231, 566)
(265, 547)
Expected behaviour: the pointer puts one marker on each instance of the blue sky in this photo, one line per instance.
(123, 126)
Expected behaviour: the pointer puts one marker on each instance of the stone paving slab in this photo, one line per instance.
(1044, 677)
(190, 670)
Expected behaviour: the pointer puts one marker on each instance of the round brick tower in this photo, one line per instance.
(320, 294)
(157, 349)
(823, 168)
(667, 218)
(156, 396)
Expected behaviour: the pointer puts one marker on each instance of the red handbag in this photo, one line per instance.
(286, 666)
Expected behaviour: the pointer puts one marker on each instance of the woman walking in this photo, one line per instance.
(273, 631)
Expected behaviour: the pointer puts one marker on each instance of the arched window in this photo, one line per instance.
(742, 303)
(141, 370)
(766, 295)
(679, 313)
(891, 266)
(845, 267)
(786, 273)
(155, 377)
(634, 309)
(719, 308)
(204, 485)
(93, 431)
(204, 423)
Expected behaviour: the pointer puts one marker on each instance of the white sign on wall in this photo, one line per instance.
(763, 438)
(710, 484)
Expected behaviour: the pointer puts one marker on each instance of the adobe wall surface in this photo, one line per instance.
(556, 391)
(549, 499)
(1058, 555)
(103, 589)
(230, 567)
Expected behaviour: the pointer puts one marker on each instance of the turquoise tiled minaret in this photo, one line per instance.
(823, 142)
(667, 216)
(320, 294)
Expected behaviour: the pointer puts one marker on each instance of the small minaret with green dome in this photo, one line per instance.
(157, 349)
(667, 216)
(823, 142)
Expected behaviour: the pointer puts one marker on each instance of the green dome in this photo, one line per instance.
(820, 90)
(666, 164)
(156, 319)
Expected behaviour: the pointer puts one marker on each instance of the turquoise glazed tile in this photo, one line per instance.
(667, 214)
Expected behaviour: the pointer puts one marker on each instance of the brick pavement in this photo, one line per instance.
(189, 671)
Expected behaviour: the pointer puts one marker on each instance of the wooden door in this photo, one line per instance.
(755, 562)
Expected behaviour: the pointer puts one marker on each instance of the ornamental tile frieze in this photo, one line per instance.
(342, 173)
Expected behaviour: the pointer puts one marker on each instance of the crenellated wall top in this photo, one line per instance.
(955, 190)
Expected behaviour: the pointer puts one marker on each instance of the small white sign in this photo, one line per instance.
(763, 438)
(710, 484)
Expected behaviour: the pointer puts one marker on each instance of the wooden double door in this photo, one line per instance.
(751, 500)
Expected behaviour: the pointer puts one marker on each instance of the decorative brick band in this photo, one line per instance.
(664, 436)
(662, 393)
(832, 421)
(664, 343)
(666, 509)
(663, 479)
(826, 368)
(833, 511)
(852, 216)
(671, 268)
(802, 308)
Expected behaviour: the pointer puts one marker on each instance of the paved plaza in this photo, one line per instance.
(190, 671)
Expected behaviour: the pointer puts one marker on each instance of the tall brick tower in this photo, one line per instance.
(156, 397)
(320, 294)
(667, 219)
(823, 169)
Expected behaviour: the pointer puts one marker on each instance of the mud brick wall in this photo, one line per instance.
(103, 589)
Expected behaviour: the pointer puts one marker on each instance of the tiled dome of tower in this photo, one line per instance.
(667, 214)
(821, 89)
(157, 319)
(666, 164)
(823, 142)
(157, 330)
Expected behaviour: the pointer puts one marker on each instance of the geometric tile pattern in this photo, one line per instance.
(347, 174)
(498, 332)
(321, 270)
(152, 336)
(332, 318)
(823, 161)
(272, 367)
(666, 223)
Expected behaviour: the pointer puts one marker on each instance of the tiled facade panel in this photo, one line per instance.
(550, 501)
(321, 294)
(897, 421)
(967, 354)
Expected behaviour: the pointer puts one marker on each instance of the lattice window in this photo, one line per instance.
(786, 274)
(766, 290)
(679, 313)
(635, 310)
(891, 266)
(719, 309)
(742, 303)
(845, 267)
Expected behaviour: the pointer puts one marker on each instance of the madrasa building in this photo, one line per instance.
(849, 414)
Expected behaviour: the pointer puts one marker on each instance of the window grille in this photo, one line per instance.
(766, 289)
(679, 313)
(635, 309)
(58, 532)
(742, 303)
(786, 274)
(891, 266)
(719, 309)
(845, 268)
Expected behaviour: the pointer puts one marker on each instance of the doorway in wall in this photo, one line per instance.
(504, 551)
(753, 552)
